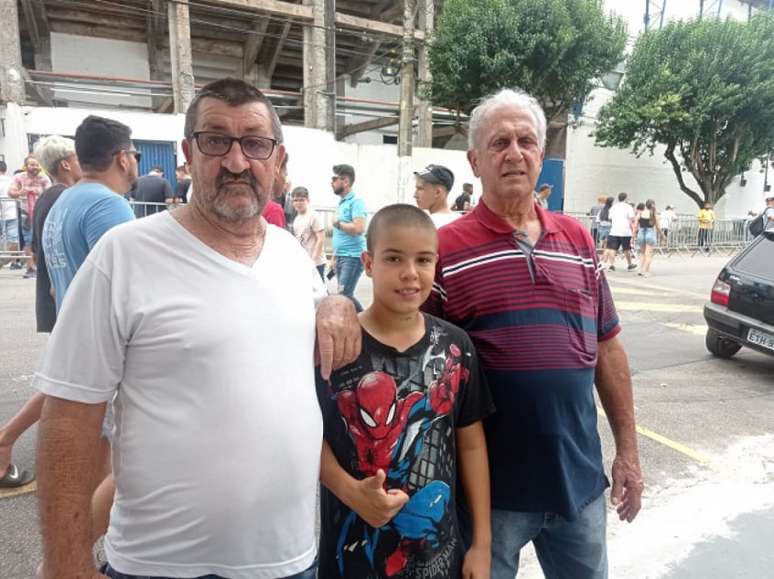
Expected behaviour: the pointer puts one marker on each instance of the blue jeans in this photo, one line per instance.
(348, 271)
(310, 573)
(576, 549)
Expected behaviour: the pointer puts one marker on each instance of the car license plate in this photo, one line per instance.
(760, 338)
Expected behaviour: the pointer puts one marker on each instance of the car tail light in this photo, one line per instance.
(720, 292)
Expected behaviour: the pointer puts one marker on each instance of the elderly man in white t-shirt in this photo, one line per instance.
(622, 217)
(200, 324)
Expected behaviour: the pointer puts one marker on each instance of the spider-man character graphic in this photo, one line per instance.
(388, 433)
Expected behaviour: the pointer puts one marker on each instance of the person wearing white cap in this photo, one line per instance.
(432, 190)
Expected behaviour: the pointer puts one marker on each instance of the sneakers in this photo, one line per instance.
(611, 268)
(631, 267)
(30, 273)
(16, 265)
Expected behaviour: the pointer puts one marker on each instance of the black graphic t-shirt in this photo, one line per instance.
(398, 411)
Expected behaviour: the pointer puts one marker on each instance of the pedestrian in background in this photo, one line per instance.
(648, 235)
(668, 220)
(706, 225)
(594, 213)
(27, 186)
(348, 232)
(604, 222)
(309, 229)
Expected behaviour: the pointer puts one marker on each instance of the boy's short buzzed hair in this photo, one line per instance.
(397, 215)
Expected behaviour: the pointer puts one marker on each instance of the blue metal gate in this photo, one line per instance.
(161, 153)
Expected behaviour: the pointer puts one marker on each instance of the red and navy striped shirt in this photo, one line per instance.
(535, 319)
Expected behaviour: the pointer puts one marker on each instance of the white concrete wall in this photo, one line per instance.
(312, 153)
(13, 137)
(100, 57)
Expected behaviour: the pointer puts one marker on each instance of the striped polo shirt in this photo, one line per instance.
(535, 319)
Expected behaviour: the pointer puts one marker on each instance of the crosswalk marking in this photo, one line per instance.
(658, 307)
(696, 329)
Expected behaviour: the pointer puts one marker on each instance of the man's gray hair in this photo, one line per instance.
(509, 97)
(49, 151)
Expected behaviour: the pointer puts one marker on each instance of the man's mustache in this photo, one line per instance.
(227, 177)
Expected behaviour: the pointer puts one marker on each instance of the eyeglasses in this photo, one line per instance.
(217, 145)
(136, 154)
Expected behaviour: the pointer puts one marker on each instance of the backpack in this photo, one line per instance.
(757, 225)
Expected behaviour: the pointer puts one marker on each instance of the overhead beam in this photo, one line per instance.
(304, 13)
(31, 21)
(253, 45)
(358, 63)
(371, 125)
(272, 64)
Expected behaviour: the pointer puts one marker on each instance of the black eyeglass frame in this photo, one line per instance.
(134, 152)
(274, 143)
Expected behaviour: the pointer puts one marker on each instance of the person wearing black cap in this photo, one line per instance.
(432, 189)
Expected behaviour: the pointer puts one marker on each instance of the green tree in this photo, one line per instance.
(552, 49)
(705, 91)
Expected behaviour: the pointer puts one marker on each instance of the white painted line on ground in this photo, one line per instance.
(16, 491)
(696, 329)
(659, 307)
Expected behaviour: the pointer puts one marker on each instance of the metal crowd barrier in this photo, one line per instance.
(726, 236)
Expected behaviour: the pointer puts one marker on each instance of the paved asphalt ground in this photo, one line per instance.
(706, 434)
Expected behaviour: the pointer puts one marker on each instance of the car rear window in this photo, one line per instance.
(759, 261)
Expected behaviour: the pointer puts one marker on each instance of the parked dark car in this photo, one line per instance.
(741, 308)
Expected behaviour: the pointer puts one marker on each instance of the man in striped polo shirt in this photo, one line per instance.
(525, 284)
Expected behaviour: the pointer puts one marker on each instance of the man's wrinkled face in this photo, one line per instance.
(233, 187)
(32, 166)
(508, 155)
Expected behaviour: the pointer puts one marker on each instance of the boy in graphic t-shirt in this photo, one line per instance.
(396, 422)
(308, 228)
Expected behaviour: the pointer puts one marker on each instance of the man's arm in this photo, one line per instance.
(474, 473)
(614, 385)
(338, 334)
(356, 227)
(68, 446)
(366, 497)
(318, 244)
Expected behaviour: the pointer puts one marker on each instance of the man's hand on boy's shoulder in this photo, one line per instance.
(477, 563)
(338, 334)
(372, 503)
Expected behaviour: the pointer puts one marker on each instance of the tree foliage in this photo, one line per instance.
(552, 49)
(705, 91)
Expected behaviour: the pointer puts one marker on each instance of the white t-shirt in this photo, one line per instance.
(305, 225)
(218, 431)
(7, 205)
(621, 215)
(441, 219)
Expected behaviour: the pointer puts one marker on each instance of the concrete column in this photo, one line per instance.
(407, 88)
(424, 107)
(319, 77)
(180, 54)
(11, 70)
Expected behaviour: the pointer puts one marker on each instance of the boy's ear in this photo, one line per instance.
(368, 262)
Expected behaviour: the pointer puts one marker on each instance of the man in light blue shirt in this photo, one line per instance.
(85, 211)
(348, 232)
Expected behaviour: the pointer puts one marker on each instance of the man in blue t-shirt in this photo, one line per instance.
(348, 232)
(85, 211)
